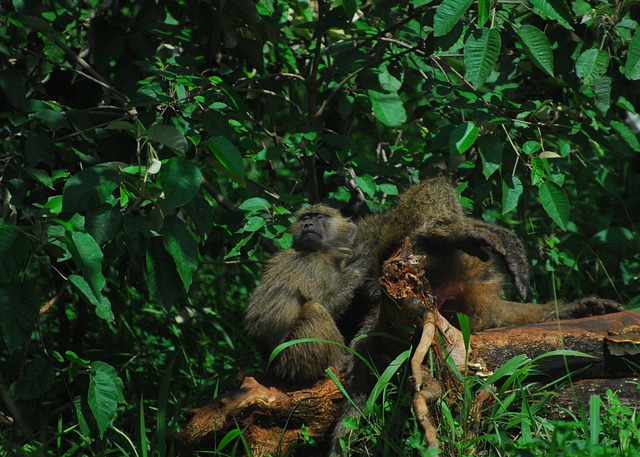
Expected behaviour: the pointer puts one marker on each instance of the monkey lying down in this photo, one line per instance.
(328, 279)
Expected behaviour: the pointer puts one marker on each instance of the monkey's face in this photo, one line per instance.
(322, 228)
(312, 232)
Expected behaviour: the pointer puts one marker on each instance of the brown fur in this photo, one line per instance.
(303, 292)
(463, 267)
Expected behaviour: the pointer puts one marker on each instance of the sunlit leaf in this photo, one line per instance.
(463, 137)
(511, 191)
(555, 9)
(555, 202)
(448, 14)
(627, 134)
(228, 155)
(632, 64)
(536, 45)
(481, 53)
(591, 65)
(388, 108)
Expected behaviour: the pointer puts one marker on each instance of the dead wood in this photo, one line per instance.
(271, 417)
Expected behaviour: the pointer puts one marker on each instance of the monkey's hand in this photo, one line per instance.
(589, 306)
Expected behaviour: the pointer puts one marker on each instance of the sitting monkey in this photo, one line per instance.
(304, 290)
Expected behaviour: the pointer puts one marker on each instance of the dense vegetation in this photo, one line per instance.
(153, 152)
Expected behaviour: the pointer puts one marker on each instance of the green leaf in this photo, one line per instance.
(14, 250)
(591, 65)
(537, 47)
(182, 246)
(350, 8)
(103, 222)
(102, 303)
(89, 188)
(632, 64)
(88, 256)
(602, 90)
(463, 137)
(481, 53)
(367, 184)
(388, 108)
(448, 14)
(511, 192)
(182, 180)
(627, 134)
(555, 202)
(163, 279)
(484, 9)
(555, 9)
(491, 151)
(255, 204)
(105, 392)
(169, 136)
(18, 313)
(228, 155)
(39, 375)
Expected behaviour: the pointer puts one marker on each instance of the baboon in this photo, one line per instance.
(462, 265)
(304, 291)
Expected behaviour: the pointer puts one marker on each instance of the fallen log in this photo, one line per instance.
(272, 417)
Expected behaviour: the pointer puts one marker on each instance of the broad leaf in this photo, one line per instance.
(632, 64)
(484, 9)
(481, 53)
(88, 256)
(105, 392)
(101, 302)
(182, 180)
(103, 222)
(536, 45)
(39, 375)
(182, 246)
(18, 313)
(555, 202)
(169, 136)
(463, 137)
(163, 279)
(511, 191)
(555, 9)
(228, 155)
(388, 108)
(89, 188)
(448, 14)
(591, 65)
(491, 151)
(627, 134)
(14, 250)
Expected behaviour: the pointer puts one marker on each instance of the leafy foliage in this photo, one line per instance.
(153, 151)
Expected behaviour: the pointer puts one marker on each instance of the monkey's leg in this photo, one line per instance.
(307, 361)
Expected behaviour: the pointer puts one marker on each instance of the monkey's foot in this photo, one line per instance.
(590, 306)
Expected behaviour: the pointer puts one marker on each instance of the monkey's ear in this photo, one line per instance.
(474, 238)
